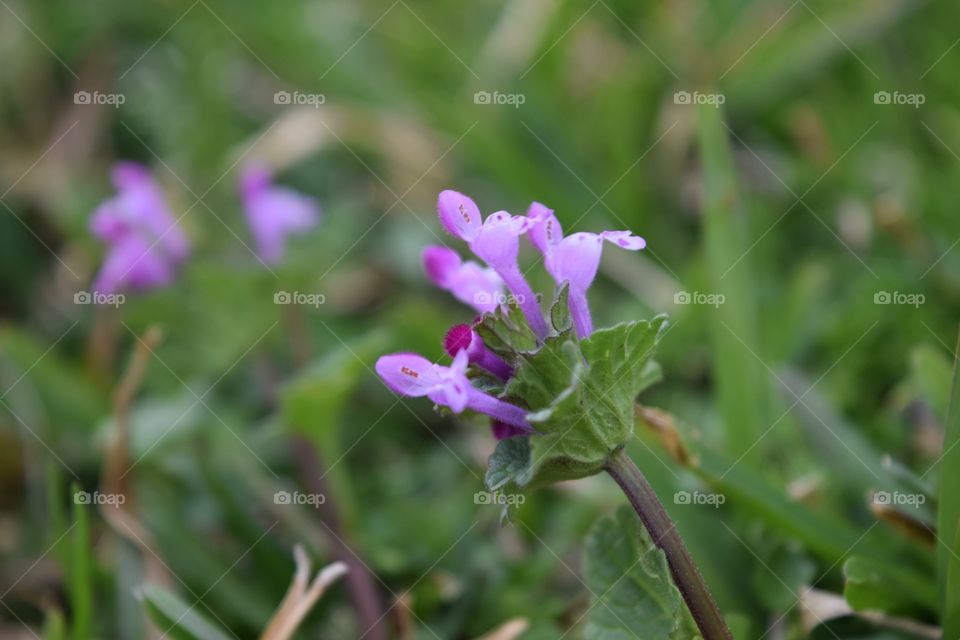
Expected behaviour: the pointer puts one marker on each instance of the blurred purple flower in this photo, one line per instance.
(496, 241)
(479, 287)
(409, 374)
(273, 212)
(145, 243)
(574, 258)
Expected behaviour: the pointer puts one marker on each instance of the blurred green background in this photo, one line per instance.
(810, 204)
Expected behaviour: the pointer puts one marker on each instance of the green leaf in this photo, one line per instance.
(176, 618)
(510, 459)
(560, 311)
(506, 332)
(581, 398)
(641, 604)
(873, 586)
(948, 516)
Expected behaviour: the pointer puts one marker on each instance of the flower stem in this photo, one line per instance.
(664, 534)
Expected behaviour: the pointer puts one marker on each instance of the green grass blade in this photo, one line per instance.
(739, 380)
(176, 619)
(81, 572)
(948, 516)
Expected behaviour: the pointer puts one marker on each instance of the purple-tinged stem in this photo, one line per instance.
(664, 534)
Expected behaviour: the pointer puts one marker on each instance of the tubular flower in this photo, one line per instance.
(496, 241)
(462, 337)
(274, 213)
(575, 258)
(145, 244)
(479, 287)
(409, 374)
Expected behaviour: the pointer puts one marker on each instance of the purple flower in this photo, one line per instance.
(496, 241)
(274, 212)
(145, 242)
(479, 287)
(462, 337)
(409, 374)
(574, 258)
(502, 431)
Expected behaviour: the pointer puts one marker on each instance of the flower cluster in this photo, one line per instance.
(571, 260)
(145, 243)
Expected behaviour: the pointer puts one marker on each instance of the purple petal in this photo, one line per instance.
(459, 215)
(462, 337)
(458, 338)
(276, 213)
(440, 263)
(502, 430)
(498, 242)
(254, 178)
(407, 373)
(128, 175)
(546, 232)
(453, 393)
(470, 283)
(498, 409)
(580, 313)
(625, 240)
(133, 263)
(576, 259)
